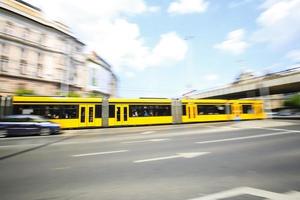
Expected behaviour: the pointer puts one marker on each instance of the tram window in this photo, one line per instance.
(229, 109)
(49, 111)
(149, 110)
(111, 109)
(125, 113)
(91, 113)
(247, 109)
(183, 109)
(98, 111)
(69, 112)
(211, 109)
(82, 111)
(118, 113)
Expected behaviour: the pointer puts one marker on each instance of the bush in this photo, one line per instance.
(94, 94)
(73, 94)
(293, 101)
(24, 92)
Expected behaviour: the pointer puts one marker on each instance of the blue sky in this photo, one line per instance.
(166, 48)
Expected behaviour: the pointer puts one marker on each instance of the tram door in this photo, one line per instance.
(121, 114)
(236, 111)
(191, 111)
(86, 115)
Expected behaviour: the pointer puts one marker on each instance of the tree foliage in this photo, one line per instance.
(293, 101)
(73, 94)
(24, 92)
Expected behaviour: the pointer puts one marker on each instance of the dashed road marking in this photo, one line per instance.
(150, 140)
(61, 168)
(249, 191)
(99, 153)
(178, 155)
(246, 137)
(147, 132)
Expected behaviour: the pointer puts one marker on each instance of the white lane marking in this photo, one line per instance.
(245, 137)
(60, 168)
(147, 132)
(247, 190)
(294, 194)
(99, 153)
(178, 155)
(150, 140)
(274, 129)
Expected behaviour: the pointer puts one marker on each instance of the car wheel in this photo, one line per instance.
(45, 131)
(3, 133)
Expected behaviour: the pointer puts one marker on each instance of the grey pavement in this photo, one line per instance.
(243, 160)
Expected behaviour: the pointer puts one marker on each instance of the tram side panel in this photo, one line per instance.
(247, 109)
(204, 111)
(139, 113)
(68, 112)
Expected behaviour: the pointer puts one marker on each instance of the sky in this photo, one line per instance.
(165, 48)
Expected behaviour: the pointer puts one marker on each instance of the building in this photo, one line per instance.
(37, 54)
(272, 87)
(101, 79)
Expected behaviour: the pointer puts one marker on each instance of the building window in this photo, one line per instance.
(78, 49)
(23, 54)
(4, 49)
(62, 60)
(40, 58)
(94, 80)
(3, 63)
(39, 70)
(42, 39)
(8, 28)
(26, 34)
(62, 44)
(23, 66)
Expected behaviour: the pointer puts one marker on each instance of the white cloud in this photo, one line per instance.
(104, 27)
(170, 48)
(294, 55)
(234, 42)
(211, 77)
(71, 10)
(187, 6)
(279, 23)
(129, 74)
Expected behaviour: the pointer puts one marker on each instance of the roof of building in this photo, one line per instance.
(24, 9)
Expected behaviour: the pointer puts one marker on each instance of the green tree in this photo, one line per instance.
(24, 92)
(293, 101)
(94, 94)
(73, 94)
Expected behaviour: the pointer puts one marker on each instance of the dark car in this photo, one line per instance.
(286, 112)
(17, 125)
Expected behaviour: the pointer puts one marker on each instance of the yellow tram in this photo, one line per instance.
(97, 112)
(139, 111)
(67, 111)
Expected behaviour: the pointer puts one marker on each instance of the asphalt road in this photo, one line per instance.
(244, 160)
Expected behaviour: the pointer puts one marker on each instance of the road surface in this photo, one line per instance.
(227, 160)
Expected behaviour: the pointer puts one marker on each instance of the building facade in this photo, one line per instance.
(41, 55)
(101, 79)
